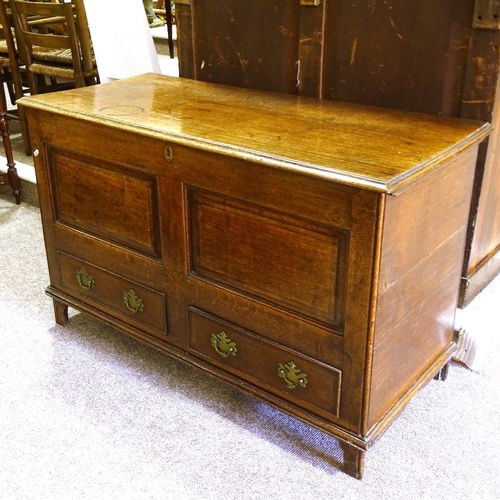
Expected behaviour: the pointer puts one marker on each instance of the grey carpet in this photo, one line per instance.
(86, 412)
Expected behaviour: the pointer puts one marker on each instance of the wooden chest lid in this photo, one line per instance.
(374, 148)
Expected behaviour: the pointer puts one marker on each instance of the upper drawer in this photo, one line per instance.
(114, 294)
(281, 371)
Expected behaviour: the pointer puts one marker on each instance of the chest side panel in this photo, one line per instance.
(423, 243)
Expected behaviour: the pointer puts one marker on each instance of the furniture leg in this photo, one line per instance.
(443, 373)
(169, 20)
(354, 460)
(10, 177)
(163, 8)
(60, 312)
(24, 132)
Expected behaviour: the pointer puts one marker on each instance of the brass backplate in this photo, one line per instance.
(310, 2)
(487, 15)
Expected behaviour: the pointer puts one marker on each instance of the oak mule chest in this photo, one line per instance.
(308, 252)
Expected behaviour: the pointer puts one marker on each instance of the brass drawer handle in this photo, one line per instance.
(132, 301)
(292, 375)
(85, 280)
(223, 344)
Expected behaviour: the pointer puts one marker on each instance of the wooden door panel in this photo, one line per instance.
(398, 54)
(247, 44)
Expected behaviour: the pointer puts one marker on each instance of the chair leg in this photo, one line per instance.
(24, 131)
(168, 19)
(11, 175)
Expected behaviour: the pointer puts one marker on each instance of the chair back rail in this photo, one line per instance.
(12, 59)
(52, 45)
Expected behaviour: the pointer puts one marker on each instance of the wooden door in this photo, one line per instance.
(247, 44)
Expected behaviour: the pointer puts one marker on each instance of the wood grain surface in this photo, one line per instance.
(364, 146)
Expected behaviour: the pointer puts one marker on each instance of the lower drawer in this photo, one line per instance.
(281, 371)
(114, 294)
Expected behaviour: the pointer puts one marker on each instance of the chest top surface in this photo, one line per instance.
(375, 148)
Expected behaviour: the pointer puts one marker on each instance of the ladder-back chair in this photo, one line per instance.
(53, 45)
(11, 74)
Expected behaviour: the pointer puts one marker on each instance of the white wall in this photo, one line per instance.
(122, 39)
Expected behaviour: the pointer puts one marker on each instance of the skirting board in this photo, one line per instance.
(24, 171)
(469, 351)
(476, 325)
(476, 282)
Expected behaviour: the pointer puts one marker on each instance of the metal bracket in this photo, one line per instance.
(487, 15)
(310, 2)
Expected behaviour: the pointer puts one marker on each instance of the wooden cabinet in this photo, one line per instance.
(422, 55)
(307, 251)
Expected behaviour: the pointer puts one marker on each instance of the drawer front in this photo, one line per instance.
(281, 371)
(114, 294)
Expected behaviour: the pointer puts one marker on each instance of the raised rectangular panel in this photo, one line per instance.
(108, 201)
(291, 262)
